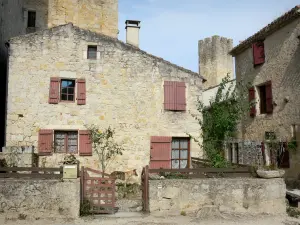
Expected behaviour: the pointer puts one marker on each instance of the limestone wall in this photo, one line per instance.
(39, 199)
(214, 60)
(282, 67)
(208, 197)
(124, 90)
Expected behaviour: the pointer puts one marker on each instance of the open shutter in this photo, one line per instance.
(263, 152)
(169, 95)
(180, 96)
(160, 152)
(258, 53)
(45, 142)
(269, 98)
(85, 144)
(251, 99)
(81, 92)
(54, 90)
(284, 157)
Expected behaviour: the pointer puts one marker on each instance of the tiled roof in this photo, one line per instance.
(280, 22)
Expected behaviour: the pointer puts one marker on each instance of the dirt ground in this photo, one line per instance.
(129, 219)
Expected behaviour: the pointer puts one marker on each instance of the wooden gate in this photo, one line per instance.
(145, 188)
(98, 191)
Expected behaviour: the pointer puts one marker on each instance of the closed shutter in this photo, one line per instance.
(54, 90)
(81, 92)
(251, 99)
(269, 98)
(258, 53)
(160, 152)
(169, 95)
(85, 144)
(45, 142)
(180, 96)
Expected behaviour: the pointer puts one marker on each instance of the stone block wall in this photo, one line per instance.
(20, 156)
(39, 199)
(236, 195)
(124, 89)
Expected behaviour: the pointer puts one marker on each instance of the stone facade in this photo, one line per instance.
(124, 90)
(212, 197)
(215, 62)
(39, 199)
(282, 67)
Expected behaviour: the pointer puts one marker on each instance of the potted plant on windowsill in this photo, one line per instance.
(272, 170)
(70, 167)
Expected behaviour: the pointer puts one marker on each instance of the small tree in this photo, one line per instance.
(104, 145)
(220, 119)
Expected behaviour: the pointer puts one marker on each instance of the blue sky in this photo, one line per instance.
(171, 28)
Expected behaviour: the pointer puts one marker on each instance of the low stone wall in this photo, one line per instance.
(202, 196)
(38, 199)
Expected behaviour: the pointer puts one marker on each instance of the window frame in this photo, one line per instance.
(88, 48)
(29, 12)
(60, 90)
(188, 152)
(65, 141)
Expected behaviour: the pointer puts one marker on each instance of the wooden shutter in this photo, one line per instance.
(263, 152)
(160, 152)
(251, 99)
(85, 144)
(180, 96)
(81, 92)
(258, 53)
(284, 157)
(54, 90)
(269, 98)
(169, 95)
(45, 142)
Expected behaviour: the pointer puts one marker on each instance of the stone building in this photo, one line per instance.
(269, 61)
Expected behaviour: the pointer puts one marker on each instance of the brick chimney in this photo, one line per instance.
(132, 32)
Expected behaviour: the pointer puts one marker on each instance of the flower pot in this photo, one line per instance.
(268, 174)
(70, 171)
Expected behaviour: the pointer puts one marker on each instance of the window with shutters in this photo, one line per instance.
(180, 153)
(31, 19)
(265, 98)
(67, 90)
(174, 96)
(92, 52)
(66, 142)
(258, 49)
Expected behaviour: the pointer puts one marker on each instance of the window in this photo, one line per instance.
(92, 52)
(180, 153)
(265, 98)
(67, 90)
(262, 98)
(66, 141)
(174, 96)
(31, 19)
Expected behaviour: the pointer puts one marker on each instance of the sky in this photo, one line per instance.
(170, 29)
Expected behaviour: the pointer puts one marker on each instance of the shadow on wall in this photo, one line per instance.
(2, 102)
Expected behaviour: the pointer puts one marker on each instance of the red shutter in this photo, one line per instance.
(269, 98)
(160, 152)
(85, 144)
(54, 90)
(251, 99)
(263, 152)
(45, 142)
(284, 158)
(258, 53)
(81, 92)
(169, 95)
(180, 96)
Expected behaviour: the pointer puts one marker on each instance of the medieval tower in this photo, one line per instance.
(214, 59)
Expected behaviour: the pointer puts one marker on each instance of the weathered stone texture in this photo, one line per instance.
(238, 195)
(214, 59)
(124, 90)
(282, 68)
(39, 199)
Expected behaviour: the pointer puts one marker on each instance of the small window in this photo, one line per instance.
(31, 19)
(262, 99)
(92, 52)
(66, 141)
(180, 153)
(67, 90)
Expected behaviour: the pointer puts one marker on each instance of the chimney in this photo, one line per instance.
(132, 32)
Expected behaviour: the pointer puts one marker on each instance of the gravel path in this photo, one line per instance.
(129, 219)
